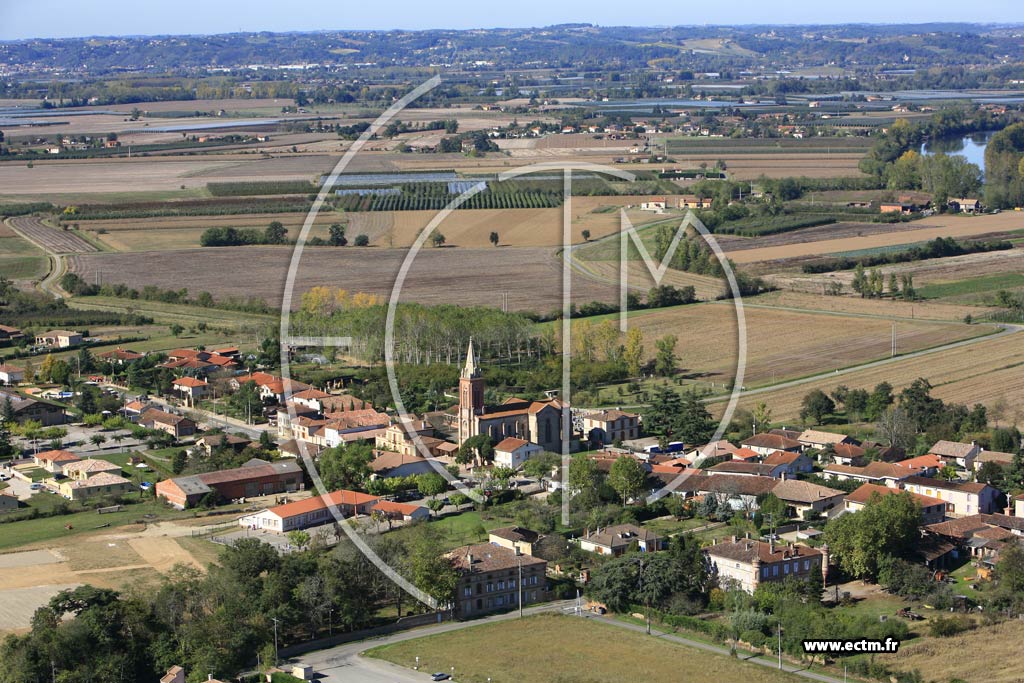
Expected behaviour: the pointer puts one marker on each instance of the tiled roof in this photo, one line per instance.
(815, 436)
(952, 449)
(803, 491)
(922, 462)
(965, 486)
(390, 507)
(620, 536)
(341, 498)
(873, 470)
(864, 493)
(745, 550)
(487, 557)
(737, 467)
(773, 441)
(91, 465)
(96, 480)
(516, 534)
(781, 458)
(190, 382)
(510, 443)
(58, 456)
(736, 484)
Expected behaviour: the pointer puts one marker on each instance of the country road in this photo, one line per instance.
(56, 267)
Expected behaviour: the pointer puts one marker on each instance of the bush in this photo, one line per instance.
(755, 638)
(943, 627)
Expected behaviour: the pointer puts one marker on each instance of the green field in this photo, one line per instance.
(20, 260)
(173, 313)
(562, 649)
(974, 285)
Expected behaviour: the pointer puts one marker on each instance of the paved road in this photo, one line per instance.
(344, 663)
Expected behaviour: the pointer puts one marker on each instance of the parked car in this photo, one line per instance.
(35, 486)
(440, 677)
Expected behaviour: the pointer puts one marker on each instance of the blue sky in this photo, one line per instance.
(63, 18)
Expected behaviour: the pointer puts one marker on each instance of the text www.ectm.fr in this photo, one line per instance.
(850, 645)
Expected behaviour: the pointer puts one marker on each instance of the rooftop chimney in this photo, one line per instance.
(771, 545)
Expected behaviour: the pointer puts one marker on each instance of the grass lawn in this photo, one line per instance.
(175, 313)
(669, 526)
(566, 649)
(974, 285)
(20, 259)
(206, 552)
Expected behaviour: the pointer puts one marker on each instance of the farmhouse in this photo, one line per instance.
(965, 205)
(61, 339)
(766, 444)
(874, 472)
(746, 562)
(690, 201)
(812, 438)
(492, 578)
(1001, 459)
(120, 356)
(656, 204)
(616, 540)
(513, 452)
(254, 478)
(514, 537)
(932, 509)
(608, 426)
(11, 374)
(539, 422)
(959, 455)
(803, 497)
(314, 511)
(175, 425)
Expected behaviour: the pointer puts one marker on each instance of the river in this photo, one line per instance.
(970, 147)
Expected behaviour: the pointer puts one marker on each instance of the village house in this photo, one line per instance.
(514, 537)
(747, 563)
(211, 442)
(874, 472)
(388, 464)
(354, 425)
(964, 205)
(272, 389)
(513, 452)
(609, 426)
(846, 454)
(120, 356)
(11, 374)
(926, 465)
(102, 484)
(793, 463)
(656, 204)
(748, 469)
(190, 388)
(8, 502)
(402, 436)
(44, 412)
(1001, 459)
(83, 469)
(10, 334)
(932, 509)
(964, 498)
(254, 478)
(690, 201)
(766, 444)
(616, 540)
(959, 455)
(61, 339)
(54, 461)
(813, 438)
(314, 511)
(402, 512)
(715, 449)
(492, 578)
(804, 499)
(175, 425)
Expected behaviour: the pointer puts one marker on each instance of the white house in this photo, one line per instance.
(513, 452)
(9, 374)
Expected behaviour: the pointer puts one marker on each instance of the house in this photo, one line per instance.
(402, 435)
(1001, 459)
(874, 472)
(254, 478)
(747, 562)
(746, 455)
(11, 374)
(964, 205)
(616, 540)
(492, 578)
(298, 449)
(8, 502)
(102, 484)
(120, 356)
(740, 492)
(715, 449)
(904, 208)
(805, 498)
(959, 455)
(10, 334)
(748, 469)
(190, 388)
(210, 442)
(513, 452)
(175, 674)
(690, 201)
(926, 465)
(965, 498)
(813, 438)
(271, 388)
(133, 410)
(656, 204)
(766, 444)
(353, 425)
(49, 414)
(83, 469)
(932, 509)
(794, 463)
(314, 511)
(610, 426)
(61, 339)
(175, 425)
(846, 454)
(513, 537)
(405, 512)
(398, 465)
(54, 461)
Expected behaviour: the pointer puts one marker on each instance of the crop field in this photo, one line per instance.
(987, 372)
(530, 276)
(19, 258)
(581, 650)
(923, 230)
(856, 306)
(784, 344)
(971, 287)
(50, 238)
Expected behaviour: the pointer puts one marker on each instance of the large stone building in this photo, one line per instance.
(539, 422)
(491, 578)
(748, 562)
(254, 478)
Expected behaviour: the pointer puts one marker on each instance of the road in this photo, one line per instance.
(344, 664)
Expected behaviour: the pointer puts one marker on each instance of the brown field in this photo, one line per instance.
(925, 229)
(785, 344)
(983, 372)
(530, 276)
(854, 305)
(51, 239)
(640, 278)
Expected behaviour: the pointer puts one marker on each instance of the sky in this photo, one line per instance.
(69, 18)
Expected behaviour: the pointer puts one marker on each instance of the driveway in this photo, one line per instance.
(19, 488)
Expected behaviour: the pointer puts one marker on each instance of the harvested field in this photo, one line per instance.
(17, 605)
(984, 372)
(855, 305)
(785, 344)
(51, 239)
(113, 175)
(923, 230)
(530, 276)
(100, 555)
(162, 552)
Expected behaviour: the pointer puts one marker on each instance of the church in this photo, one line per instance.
(538, 422)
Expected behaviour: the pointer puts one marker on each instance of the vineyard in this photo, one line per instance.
(259, 187)
(436, 196)
(217, 207)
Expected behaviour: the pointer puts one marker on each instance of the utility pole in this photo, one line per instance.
(519, 556)
(779, 626)
(275, 620)
(893, 338)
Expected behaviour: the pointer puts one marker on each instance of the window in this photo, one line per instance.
(775, 570)
(511, 583)
(785, 568)
(764, 572)
(490, 587)
(501, 585)
(807, 565)
(467, 591)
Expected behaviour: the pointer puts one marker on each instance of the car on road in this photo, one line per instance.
(4, 477)
(439, 676)
(35, 486)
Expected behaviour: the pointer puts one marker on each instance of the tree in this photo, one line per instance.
(541, 465)
(336, 235)
(431, 484)
(346, 466)
(633, 352)
(178, 461)
(887, 526)
(362, 241)
(494, 238)
(176, 329)
(881, 398)
(662, 418)
(694, 424)
(275, 233)
(665, 357)
(437, 239)
(896, 428)
(860, 281)
(586, 235)
(584, 480)
(627, 477)
(97, 440)
(762, 416)
(816, 405)
(298, 538)
(773, 505)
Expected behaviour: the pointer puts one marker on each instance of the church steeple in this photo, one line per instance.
(470, 370)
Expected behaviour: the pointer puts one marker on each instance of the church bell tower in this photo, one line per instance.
(471, 395)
